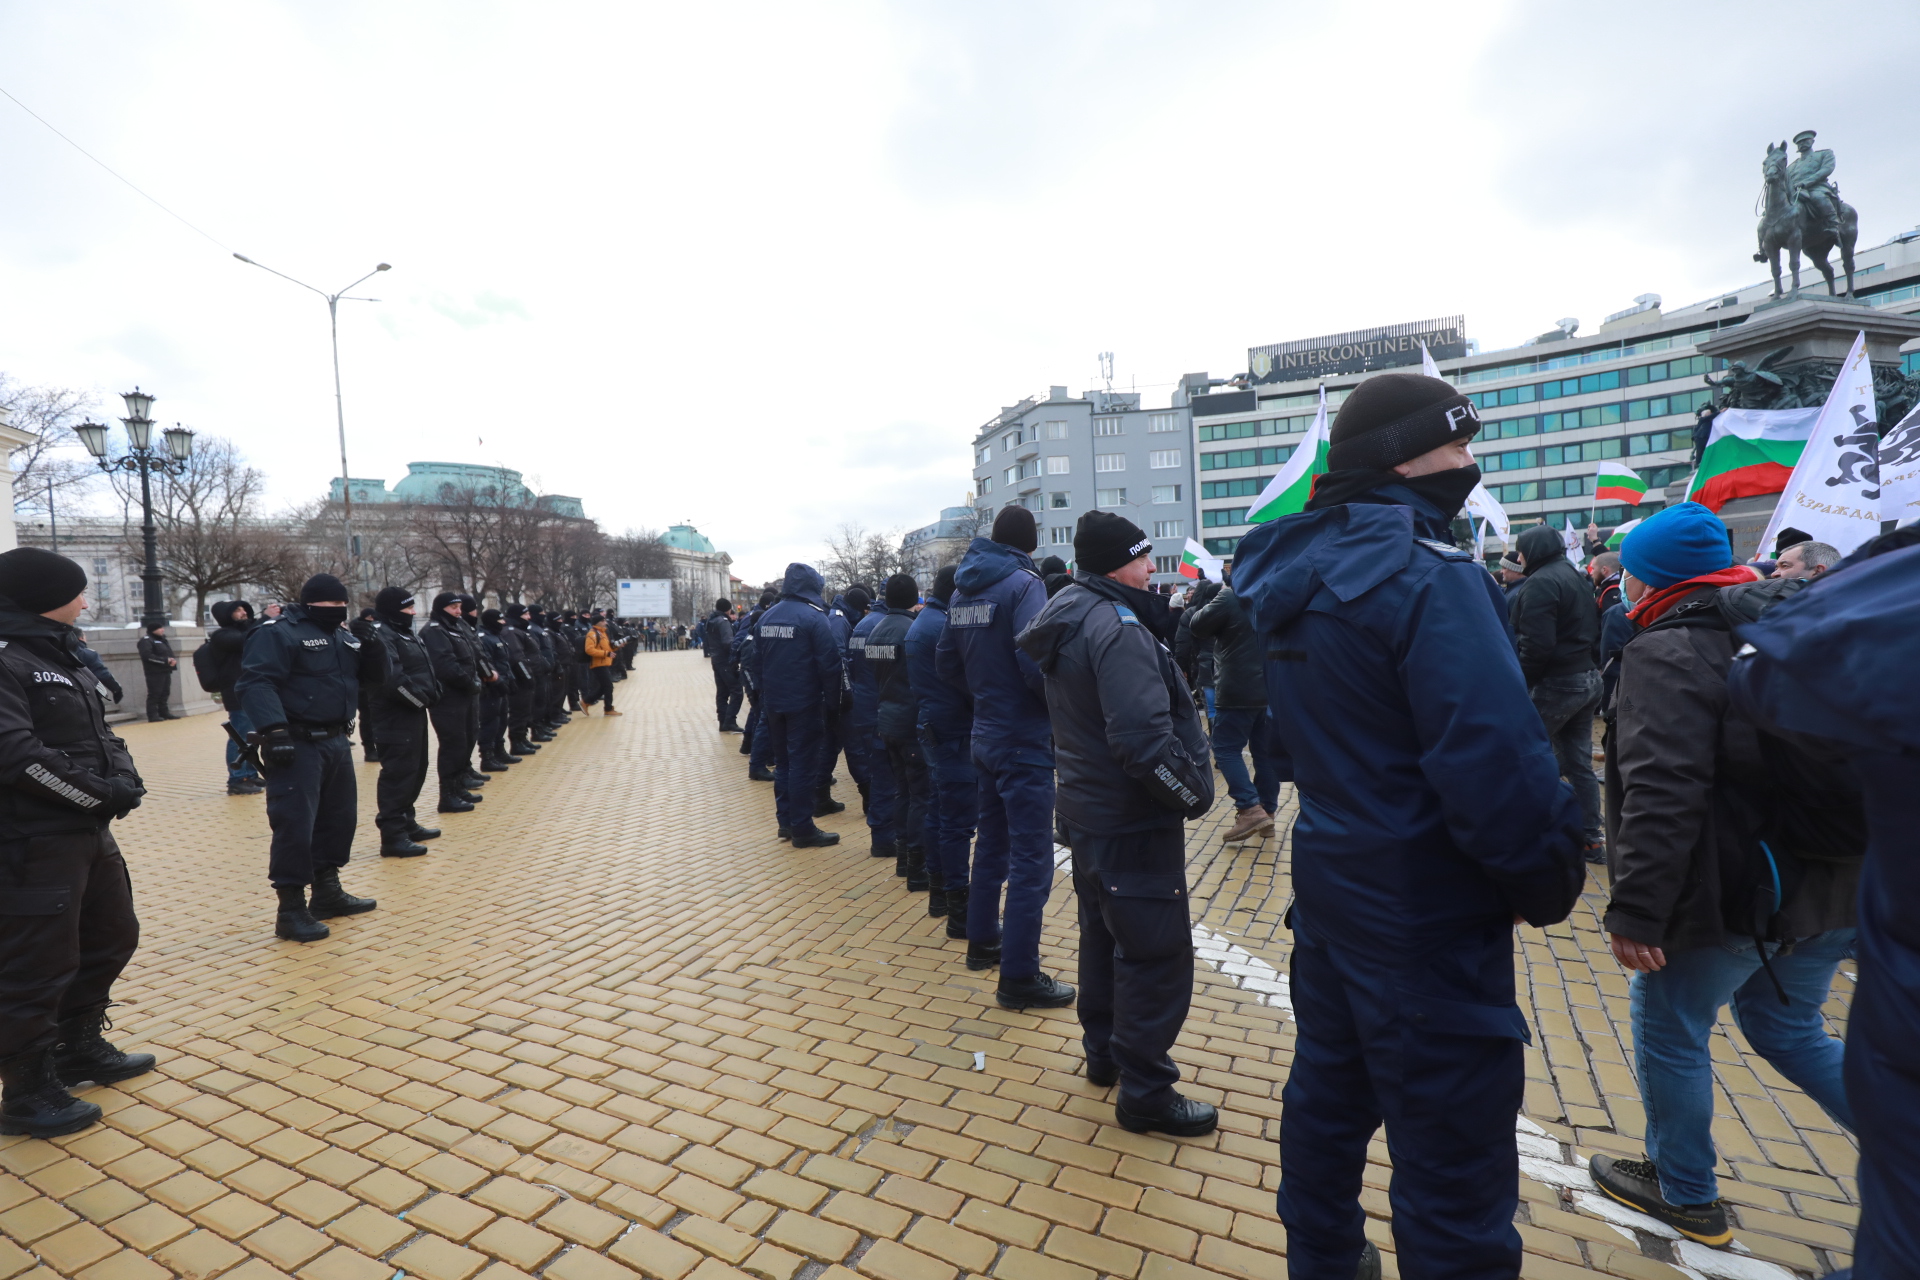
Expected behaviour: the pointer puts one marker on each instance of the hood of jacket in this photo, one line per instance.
(1348, 549)
(803, 583)
(1541, 546)
(986, 563)
(1049, 633)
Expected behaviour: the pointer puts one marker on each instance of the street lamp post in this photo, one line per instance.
(339, 410)
(143, 458)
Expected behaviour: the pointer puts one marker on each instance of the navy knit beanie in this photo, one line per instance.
(1679, 543)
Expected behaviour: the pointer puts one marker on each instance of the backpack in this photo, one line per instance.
(204, 669)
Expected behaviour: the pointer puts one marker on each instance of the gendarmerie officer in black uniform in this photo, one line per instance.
(496, 698)
(300, 685)
(68, 927)
(158, 663)
(398, 702)
(455, 656)
(523, 700)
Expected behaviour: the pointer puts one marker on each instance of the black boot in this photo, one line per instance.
(34, 1102)
(936, 892)
(295, 923)
(329, 899)
(370, 753)
(492, 764)
(885, 849)
(759, 775)
(1041, 991)
(899, 859)
(475, 778)
(243, 787)
(917, 881)
(455, 804)
(746, 746)
(980, 955)
(424, 833)
(957, 911)
(827, 806)
(83, 1054)
(1182, 1118)
(818, 840)
(522, 747)
(541, 735)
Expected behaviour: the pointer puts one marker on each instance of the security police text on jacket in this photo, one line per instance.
(1132, 757)
(800, 674)
(1431, 814)
(69, 927)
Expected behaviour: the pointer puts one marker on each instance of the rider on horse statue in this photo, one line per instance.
(1811, 178)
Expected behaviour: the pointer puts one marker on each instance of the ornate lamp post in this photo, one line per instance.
(142, 457)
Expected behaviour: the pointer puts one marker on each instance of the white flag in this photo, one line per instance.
(1834, 492)
(1900, 470)
(1571, 541)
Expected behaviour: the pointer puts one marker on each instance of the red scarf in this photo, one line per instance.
(1655, 603)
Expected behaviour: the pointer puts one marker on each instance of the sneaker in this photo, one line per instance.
(1595, 852)
(1636, 1184)
(243, 787)
(1247, 823)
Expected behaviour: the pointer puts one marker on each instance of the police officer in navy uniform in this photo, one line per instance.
(896, 722)
(1134, 764)
(800, 675)
(300, 684)
(1432, 816)
(860, 729)
(945, 726)
(455, 658)
(997, 593)
(755, 745)
(67, 927)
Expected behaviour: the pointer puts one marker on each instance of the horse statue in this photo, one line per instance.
(1789, 222)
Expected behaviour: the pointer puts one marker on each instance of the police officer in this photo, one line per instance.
(945, 725)
(861, 727)
(1431, 815)
(496, 693)
(368, 751)
(897, 726)
(299, 684)
(523, 699)
(399, 703)
(549, 711)
(69, 927)
(158, 662)
(1133, 765)
(997, 593)
(756, 744)
(800, 676)
(455, 659)
(843, 616)
(716, 641)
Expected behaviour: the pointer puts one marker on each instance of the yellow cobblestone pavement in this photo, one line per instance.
(611, 1026)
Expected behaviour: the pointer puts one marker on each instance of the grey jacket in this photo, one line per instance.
(1129, 747)
(1239, 659)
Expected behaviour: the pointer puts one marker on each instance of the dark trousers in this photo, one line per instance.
(797, 739)
(953, 806)
(312, 807)
(864, 745)
(493, 720)
(67, 929)
(726, 691)
(600, 686)
(159, 691)
(365, 722)
(1014, 848)
(402, 739)
(1447, 1091)
(1237, 729)
(520, 710)
(908, 767)
(830, 754)
(576, 680)
(1567, 705)
(1136, 957)
(456, 726)
(760, 748)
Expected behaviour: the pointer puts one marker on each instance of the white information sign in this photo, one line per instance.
(646, 597)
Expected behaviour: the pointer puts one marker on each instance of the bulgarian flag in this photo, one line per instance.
(1196, 563)
(1618, 482)
(1620, 534)
(1287, 493)
(1751, 452)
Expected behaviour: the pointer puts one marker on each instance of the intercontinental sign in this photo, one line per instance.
(1361, 351)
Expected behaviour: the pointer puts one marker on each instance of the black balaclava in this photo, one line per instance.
(1393, 419)
(440, 603)
(324, 586)
(469, 609)
(492, 621)
(388, 604)
(517, 615)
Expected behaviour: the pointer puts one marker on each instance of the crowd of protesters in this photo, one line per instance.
(1434, 719)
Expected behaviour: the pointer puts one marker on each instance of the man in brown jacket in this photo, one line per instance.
(599, 667)
(1688, 823)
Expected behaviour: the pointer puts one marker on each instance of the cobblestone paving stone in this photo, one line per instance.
(611, 1026)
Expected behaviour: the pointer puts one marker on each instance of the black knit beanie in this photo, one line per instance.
(1014, 527)
(856, 599)
(516, 611)
(1396, 417)
(943, 583)
(444, 599)
(902, 591)
(1102, 542)
(38, 580)
(323, 586)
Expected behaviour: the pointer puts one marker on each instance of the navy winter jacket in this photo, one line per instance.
(797, 663)
(946, 710)
(866, 689)
(1431, 805)
(296, 673)
(996, 593)
(885, 654)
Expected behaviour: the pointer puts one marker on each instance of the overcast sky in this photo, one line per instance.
(767, 267)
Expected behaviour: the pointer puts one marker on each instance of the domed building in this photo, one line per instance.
(703, 569)
(451, 483)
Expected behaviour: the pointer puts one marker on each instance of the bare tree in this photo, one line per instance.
(639, 554)
(52, 459)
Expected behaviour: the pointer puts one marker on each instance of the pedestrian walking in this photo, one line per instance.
(299, 684)
(1240, 721)
(997, 592)
(157, 663)
(70, 926)
(600, 648)
(800, 675)
(1132, 753)
(1431, 815)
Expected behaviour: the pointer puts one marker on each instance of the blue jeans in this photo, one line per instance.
(1674, 1010)
(1567, 705)
(238, 768)
(1234, 730)
(1015, 848)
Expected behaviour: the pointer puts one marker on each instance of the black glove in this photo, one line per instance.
(124, 795)
(276, 749)
(1177, 783)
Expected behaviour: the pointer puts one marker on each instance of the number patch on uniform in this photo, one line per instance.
(52, 677)
(317, 644)
(972, 615)
(776, 631)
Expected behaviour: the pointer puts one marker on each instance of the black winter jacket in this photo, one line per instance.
(453, 654)
(406, 685)
(1239, 657)
(1555, 625)
(886, 655)
(716, 636)
(1193, 654)
(294, 672)
(1129, 746)
(225, 645)
(521, 654)
(57, 758)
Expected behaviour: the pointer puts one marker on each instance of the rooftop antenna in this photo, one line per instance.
(1106, 368)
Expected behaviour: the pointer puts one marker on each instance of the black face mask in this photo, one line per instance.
(327, 617)
(1446, 490)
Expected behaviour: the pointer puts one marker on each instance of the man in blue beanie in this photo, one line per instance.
(1687, 786)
